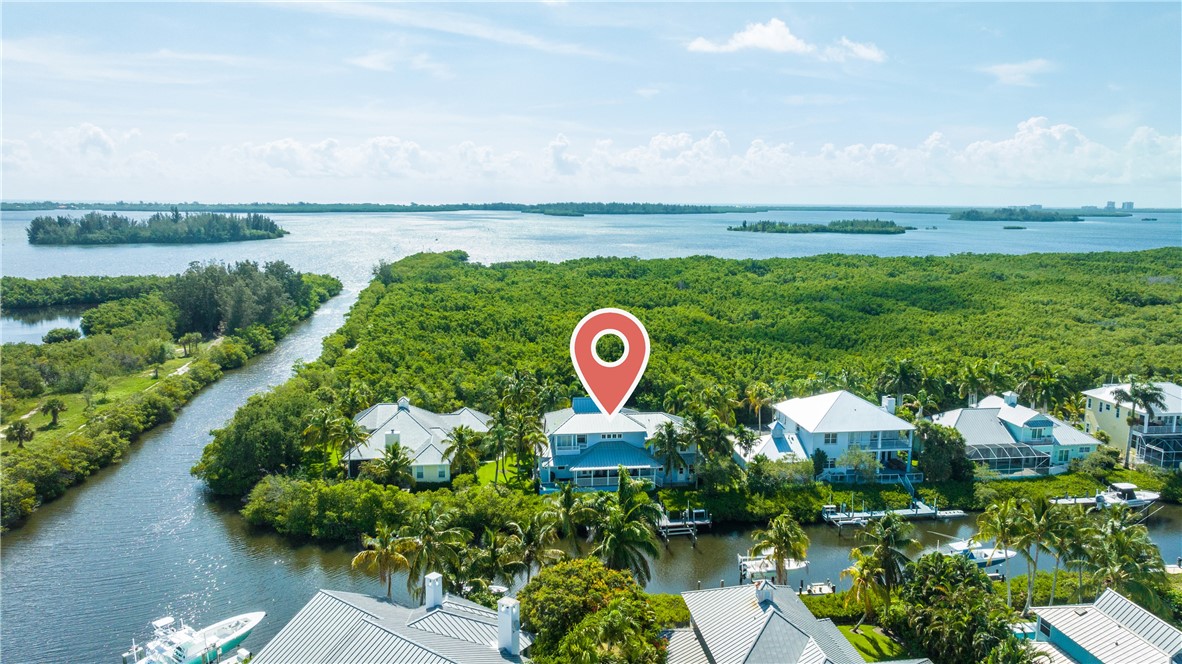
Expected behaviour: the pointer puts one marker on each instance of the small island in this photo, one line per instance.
(1012, 214)
(161, 228)
(856, 226)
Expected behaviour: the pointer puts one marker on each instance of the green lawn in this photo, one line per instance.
(486, 470)
(76, 414)
(873, 646)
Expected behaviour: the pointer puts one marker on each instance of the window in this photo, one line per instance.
(1087, 428)
(441, 473)
(1089, 403)
(1063, 456)
(830, 439)
(418, 473)
(611, 436)
(1044, 627)
(1118, 411)
(830, 463)
(581, 439)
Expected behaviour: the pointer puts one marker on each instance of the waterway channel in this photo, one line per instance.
(141, 539)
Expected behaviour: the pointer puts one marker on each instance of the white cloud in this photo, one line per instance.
(1019, 73)
(446, 22)
(771, 36)
(386, 61)
(648, 93)
(775, 36)
(1038, 155)
(374, 61)
(59, 59)
(851, 50)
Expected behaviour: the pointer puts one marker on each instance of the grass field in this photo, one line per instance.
(76, 414)
(486, 470)
(874, 646)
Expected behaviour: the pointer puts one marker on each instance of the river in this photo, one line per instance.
(140, 539)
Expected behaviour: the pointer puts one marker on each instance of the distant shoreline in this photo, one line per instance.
(556, 209)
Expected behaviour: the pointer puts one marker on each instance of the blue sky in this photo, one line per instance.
(983, 103)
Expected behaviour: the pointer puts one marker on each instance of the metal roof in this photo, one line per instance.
(585, 423)
(838, 412)
(1171, 393)
(417, 429)
(978, 426)
(1018, 415)
(732, 624)
(611, 454)
(351, 628)
(1114, 630)
(775, 446)
(684, 647)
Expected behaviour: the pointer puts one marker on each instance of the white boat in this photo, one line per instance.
(762, 565)
(1124, 493)
(980, 555)
(177, 643)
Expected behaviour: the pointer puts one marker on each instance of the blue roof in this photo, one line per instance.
(611, 454)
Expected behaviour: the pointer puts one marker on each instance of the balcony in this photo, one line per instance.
(1155, 430)
(882, 444)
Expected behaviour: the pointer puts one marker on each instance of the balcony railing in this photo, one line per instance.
(1156, 430)
(882, 444)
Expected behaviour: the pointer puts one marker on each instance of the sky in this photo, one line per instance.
(820, 103)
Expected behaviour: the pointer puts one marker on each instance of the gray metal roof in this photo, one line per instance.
(418, 430)
(979, 426)
(684, 647)
(732, 625)
(1065, 434)
(351, 628)
(611, 454)
(1115, 630)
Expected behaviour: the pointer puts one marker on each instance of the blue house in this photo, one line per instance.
(1113, 630)
(587, 447)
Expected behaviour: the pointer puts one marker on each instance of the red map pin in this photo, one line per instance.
(609, 383)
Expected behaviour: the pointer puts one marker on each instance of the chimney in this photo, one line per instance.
(509, 625)
(764, 591)
(403, 403)
(1011, 398)
(888, 404)
(434, 582)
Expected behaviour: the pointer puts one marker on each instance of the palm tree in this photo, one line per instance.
(496, 444)
(996, 378)
(999, 522)
(624, 526)
(756, 397)
(537, 537)
(786, 540)
(900, 377)
(498, 558)
(570, 512)
(381, 554)
(394, 466)
(318, 431)
(864, 576)
(1143, 395)
(430, 544)
(53, 407)
(972, 380)
(21, 432)
(666, 445)
(528, 439)
(1036, 520)
(1057, 541)
(919, 402)
(1080, 545)
(890, 539)
(1071, 409)
(1128, 561)
(676, 400)
(463, 450)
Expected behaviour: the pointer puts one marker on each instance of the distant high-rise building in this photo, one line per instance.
(1110, 205)
(1127, 205)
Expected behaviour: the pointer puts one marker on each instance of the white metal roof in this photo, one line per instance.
(775, 447)
(840, 411)
(1171, 393)
(421, 432)
(1115, 630)
(1018, 415)
(586, 423)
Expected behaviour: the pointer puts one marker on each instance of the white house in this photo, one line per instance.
(423, 434)
(837, 421)
(1015, 440)
(1159, 444)
(587, 447)
(339, 626)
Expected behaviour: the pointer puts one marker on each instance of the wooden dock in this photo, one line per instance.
(833, 516)
(687, 522)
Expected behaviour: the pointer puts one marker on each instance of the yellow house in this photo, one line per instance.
(1159, 443)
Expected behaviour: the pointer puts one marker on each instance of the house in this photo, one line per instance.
(423, 434)
(837, 421)
(1014, 440)
(757, 623)
(1159, 444)
(778, 444)
(348, 628)
(586, 447)
(1112, 630)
